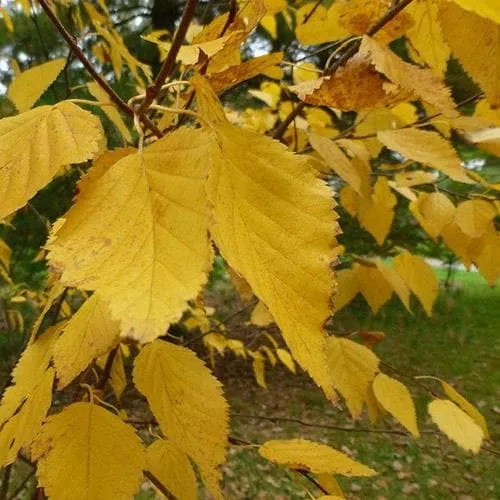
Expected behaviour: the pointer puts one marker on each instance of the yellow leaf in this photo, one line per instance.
(320, 27)
(353, 87)
(414, 178)
(87, 452)
(258, 365)
(377, 215)
(314, 457)
(330, 485)
(420, 82)
(428, 148)
(28, 372)
(337, 161)
(353, 369)
(396, 399)
(285, 357)
(419, 277)
(475, 41)
(90, 333)
(374, 287)
(172, 468)
(117, 376)
(397, 283)
(426, 35)
(347, 288)
(456, 424)
(30, 85)
(468, 408)
(274, 223)
(7, 19)
(269, 354)
(458, 242)
(22, 428)
(236, 74)
(488, 259)
(5, 253)
(137, 234)
(474, 217)
(188, 404)
(110, 110)
(59, 134)
(358, 16)
(433, 211)
(261, 315)
(350, 200)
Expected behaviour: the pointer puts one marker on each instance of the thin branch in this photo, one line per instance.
(58, 306)
(163, 489)
(313, 481)
(169, 63)
(351, 50)
(326, 426)
(107, 369)
(73, 45)
(312, 11)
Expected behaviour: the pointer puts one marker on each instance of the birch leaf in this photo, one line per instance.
(36, 144)
(90, 333)
(29, 370)
(456, 424)
(30, 85)
(88, 452)
(137, 234)
(353, 369)
(419, 277)
(275, 225)
(434, 211)
(485, 8)
(22, 428)
(313, 457)
(172, 468)
(188, 404)
(395, 398)
(428, 148)
(474, 217)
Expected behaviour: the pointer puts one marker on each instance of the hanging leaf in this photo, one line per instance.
(395, 398)
(36, 144)
(90, 452)
(188, 404)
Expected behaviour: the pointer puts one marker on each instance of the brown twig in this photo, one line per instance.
(73, 45)
(350, 51)
(326, 426)
(312, 480)
(169, 64)
(158, 484)
(107, 369)
(312, 11)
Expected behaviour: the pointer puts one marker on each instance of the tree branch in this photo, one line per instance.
(107, 369)
(158, 484)
(168, 65)
(350, 51)
(72, 44)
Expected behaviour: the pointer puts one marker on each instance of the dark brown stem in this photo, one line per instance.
(163, 489)
(169, 63)
(57, 307)
(351, 50)
(107, 369)
(72, 44)
(326, 426)
(312, 11)
(313, 481)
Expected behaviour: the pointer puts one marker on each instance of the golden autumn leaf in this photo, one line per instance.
(286, 359)
(372, 284)
(89, 333)
(428, 148)
(474, 217)
(87, 452)
(396, 282)
(347, 288)
(30, 85)
(488, 258)
(419, 277)
(188, 403)
(422, 83)
(354, 87)
(330, 485)
(22, 428)
(132, 230)
(353, 369)
(29, 371)
(468, 34)
(274, 223)
(172, 468)
(313, 457)
(395, 398)
(261, 316)
(485, 8)
(5, 253)
(433, 211)
(456, 424)
(36, 144)
(426, 35)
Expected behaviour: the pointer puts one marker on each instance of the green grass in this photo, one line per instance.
(459, 343)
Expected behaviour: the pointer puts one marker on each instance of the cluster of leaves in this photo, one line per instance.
(197, 178)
